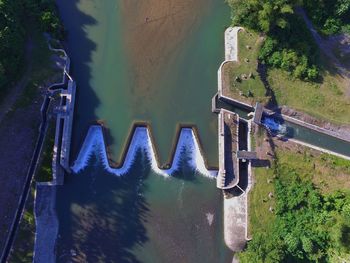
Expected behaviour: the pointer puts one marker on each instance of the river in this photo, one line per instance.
(151, 61)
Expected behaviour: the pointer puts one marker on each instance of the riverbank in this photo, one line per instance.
(261, 200)
(250, 87)
(25, 217)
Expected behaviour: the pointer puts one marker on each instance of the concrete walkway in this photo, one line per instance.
(46, 224)
(235, 224)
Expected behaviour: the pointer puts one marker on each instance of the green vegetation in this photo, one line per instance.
(311, 217)
(22, 250)
(289, 44)
(329, 16)
(17, 19)
(22, 23)
(44, 173)
(260, 219)
(296, 74)
(246, 80)
(324, 100)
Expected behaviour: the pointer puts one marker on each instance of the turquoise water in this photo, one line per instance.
(140, 217)
(151, 61)
(169, 84)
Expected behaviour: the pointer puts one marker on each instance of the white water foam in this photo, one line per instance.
(141, 140)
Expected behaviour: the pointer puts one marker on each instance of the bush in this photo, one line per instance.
(332, 26)
(16, 19)
(312, 73)
(308, 225)
(330, 17)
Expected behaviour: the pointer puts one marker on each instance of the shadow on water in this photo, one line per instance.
(185, 171)
(79, 48)
(108, 214)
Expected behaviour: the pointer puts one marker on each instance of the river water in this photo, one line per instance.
(152, 61)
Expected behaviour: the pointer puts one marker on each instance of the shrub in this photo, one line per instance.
(332, 26)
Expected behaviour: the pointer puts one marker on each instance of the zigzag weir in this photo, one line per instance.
(94, 144)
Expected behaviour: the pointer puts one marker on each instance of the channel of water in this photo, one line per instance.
(298, 132)
(312, 137)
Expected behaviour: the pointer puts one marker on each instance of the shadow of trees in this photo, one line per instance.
(79, 48)
(102, 216)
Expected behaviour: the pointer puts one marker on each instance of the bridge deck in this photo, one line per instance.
(246, 155)
(259, 109)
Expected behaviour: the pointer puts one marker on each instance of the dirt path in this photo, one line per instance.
(14, 93)
(327, 47)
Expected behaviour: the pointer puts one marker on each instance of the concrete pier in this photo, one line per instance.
(67, 124)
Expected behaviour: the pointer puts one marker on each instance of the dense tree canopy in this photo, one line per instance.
(289, 45)
(330, 16)
(16, 19)
(308, 226)
(263, 15)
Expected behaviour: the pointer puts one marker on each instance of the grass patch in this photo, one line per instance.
(260, 219)
(250, 89)
(44, 173)
(329, 173)
(22, 250)
(323, 100)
